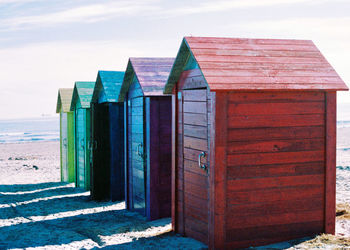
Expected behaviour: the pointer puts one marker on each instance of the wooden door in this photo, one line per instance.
(136, 155)
(100, 183)
(64, 148)
(80, 146)
(194, 155)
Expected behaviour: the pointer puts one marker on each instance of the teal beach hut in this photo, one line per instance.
(66, 134)
(107, 177)
(80, 106)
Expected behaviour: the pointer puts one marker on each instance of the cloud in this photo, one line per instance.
(88, 13)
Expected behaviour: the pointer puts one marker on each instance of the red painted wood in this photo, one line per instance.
(272, 97)
(277, 133)
(276, 146)
(274, 182)
(274, 158)
(265, 53)
(275, 194)
(218, 174)
(330, 155)
(220, 40)
(276, 108)
(289, 169)
(256, 121)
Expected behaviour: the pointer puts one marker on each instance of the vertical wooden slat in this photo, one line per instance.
(126, 154)
(218, 175)
(330, 186)
(173, 160)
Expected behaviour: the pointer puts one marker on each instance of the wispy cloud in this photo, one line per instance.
(87, 13)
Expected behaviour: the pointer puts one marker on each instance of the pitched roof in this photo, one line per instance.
(82, 92)
(110, 83)
(64, 100)
(151, 73)
(257, 64)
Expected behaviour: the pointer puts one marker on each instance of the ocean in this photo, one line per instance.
(30, 130)
(47, 129)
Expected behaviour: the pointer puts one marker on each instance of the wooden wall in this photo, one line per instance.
(275, 173)
(70, 147)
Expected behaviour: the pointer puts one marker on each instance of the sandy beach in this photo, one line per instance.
(39, 212)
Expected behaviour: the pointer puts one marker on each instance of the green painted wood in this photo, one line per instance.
(66, 130)
(80, 105)
(70, 147)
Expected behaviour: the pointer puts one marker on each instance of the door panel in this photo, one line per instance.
(136, 154)
(194, 142)
(64, 134)
(80, 146)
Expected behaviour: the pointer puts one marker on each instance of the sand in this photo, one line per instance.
(39, 212)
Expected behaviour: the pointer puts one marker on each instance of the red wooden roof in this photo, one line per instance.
(152, 74)
(257, 64)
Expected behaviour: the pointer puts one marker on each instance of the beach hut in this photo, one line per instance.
(80, 106)
(66, 134)
(254, 141)
(107, 181)
(148, 136)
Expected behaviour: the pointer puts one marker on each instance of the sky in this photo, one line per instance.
(46, 45)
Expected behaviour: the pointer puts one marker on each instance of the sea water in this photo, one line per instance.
(30, 130)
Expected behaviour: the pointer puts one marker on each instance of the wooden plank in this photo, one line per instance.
(274, 47)
(195, 190)
(306, 80)
(291, 169)
(276, 108)
(253, 236)
(276, 146)
(280, 133)
(199, 214)
(257, 53)
(229, 40)
(254, 121)
(218, 174)
(192, 166)
(195, 202)
(195, 95)
(275, 194)
(195, 107)
(270, 97)
(195, 143)
(277, 207)
(331, 86)
(330, 155)
(274, 158)
(240, 222)
(196, 226)
(196, 179)
(266, 66)
(273, 182)
(196, 131)
(195, 119)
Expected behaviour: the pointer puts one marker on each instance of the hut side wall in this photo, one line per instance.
(87, 148)
(269, 167)
(63, 148)
(158, 134)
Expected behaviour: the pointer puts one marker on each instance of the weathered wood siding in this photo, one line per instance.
(136, 150)
(80, 159)
(158, 152)
(70, 147)
(64, 146)
(275, 173)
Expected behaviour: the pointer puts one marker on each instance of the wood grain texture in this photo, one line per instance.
(330, 155)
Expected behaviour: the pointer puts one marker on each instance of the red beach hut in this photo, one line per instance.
(254, 141)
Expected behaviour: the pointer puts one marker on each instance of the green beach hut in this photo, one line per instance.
(66, 134)
(80, 107)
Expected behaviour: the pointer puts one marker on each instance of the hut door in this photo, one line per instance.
(136, 154)
(64, 153)
(80, 147)
(195, 155)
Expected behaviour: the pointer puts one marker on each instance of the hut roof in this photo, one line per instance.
(151, 73)
(64, 99)
(110, 83)
(256, 64)
(82, 92)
